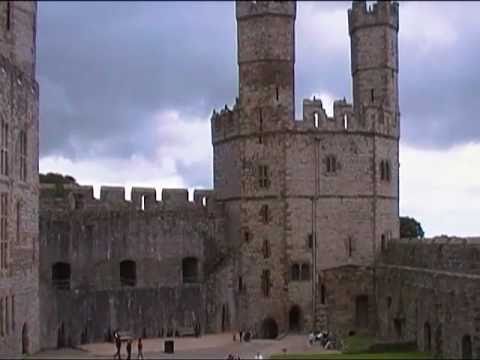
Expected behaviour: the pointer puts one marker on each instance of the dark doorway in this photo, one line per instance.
(61, 343)
(361, 311)
(398, 324)
(467, 347)
(190, 270)
(225, 318)
(295, 318)
(25, 344)
(269, 329)
(128, 273)
(427, 337)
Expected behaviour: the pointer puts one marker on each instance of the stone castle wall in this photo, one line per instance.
(94, 236)
(19, 94)
(427, 292)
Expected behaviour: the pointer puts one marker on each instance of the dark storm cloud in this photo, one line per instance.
(105, 68)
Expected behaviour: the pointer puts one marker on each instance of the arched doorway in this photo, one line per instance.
(25, 339)
(361, 311)
(295, 318)
(269, 329)
(467, 347)
(61, 343)
(427, 337)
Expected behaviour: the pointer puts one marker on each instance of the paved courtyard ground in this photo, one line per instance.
(206, 347)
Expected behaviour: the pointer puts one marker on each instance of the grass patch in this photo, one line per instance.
(405, 355)
(357, 344)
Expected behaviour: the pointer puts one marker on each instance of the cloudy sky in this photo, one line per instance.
(127, 89)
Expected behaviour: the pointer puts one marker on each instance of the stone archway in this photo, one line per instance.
(25, 340)
(295, 318)
(269, 329)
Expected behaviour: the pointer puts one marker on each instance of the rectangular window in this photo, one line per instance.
(23, 156)
(3, 231)
(4, 149)
(310, 241)
(263, 177)
(266, 283)
(19, 219)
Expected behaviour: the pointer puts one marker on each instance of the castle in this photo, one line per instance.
(301, 230)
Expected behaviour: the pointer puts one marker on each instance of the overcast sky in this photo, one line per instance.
(127, 89)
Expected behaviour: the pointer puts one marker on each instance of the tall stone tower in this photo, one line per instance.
(249, 163)
(374, 48)
(19, 293)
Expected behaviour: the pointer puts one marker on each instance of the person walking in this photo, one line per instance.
(140, 348)
(118, 344)
(129, 350)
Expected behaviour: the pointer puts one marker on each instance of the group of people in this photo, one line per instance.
(243, 336)
(325, 338)
(237, 357)
(118, 345)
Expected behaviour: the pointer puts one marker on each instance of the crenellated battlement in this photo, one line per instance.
(225, 123)
(380, 13)
(246, 9)
(77, 197)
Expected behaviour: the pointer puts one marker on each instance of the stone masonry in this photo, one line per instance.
(300, 232)
(19, 292)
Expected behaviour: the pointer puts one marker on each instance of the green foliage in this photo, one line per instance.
(54, 178)
(357, 344)
(410, 228)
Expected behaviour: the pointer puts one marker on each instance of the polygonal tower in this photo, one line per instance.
(249, 163)
(19, 292)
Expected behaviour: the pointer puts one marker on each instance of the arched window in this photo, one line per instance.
(190, 270)
(305, 272)
(128, 273)
(266, 249)
(61, 275)
(295, 272)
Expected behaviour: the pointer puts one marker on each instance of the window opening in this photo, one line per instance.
(128, 273)
(190, 270)
(315, 119)
(61, 275)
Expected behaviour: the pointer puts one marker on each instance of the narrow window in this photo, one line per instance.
(322, 294)
(142, 203)
(240, 284)
(345, 121)
(276, 93)
(260, 125)
(331, 164)
(2, 333)
(315, 119)
(266, 249)
(7, 317)
(387, 170)
(190, 270)
(204, 201)
(19, 218)
(4, 149)
(13, 312)
(23, 155)
(295, 272)
(372, 95)
(9, 15)
(3, 231)
(305, 272)
(382, 243)
(350, 247)
(382, 170)
(263, 178)
(246, 236)
(265, 214)
(310, 241)
(266, 283)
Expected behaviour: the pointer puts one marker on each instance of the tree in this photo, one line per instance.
(54, 178)
(410, 228)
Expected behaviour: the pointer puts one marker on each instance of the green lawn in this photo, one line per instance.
(399, 355)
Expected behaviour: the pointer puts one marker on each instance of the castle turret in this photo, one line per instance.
(18, 32)
(374, 48)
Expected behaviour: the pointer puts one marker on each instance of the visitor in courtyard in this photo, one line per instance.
(311, 338)
(140, 348)
(129, 350)
(118, 344)
(240, 334)
(258, 356)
